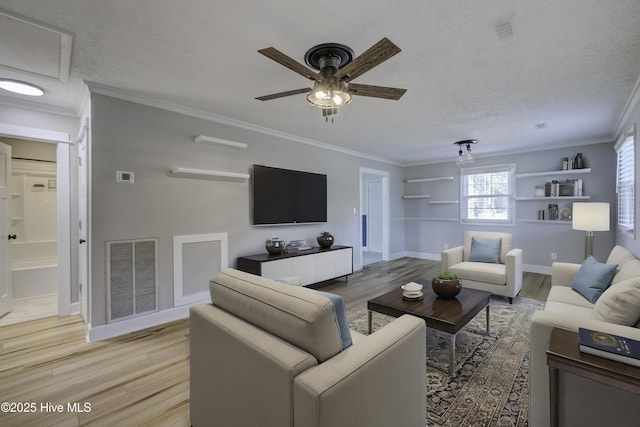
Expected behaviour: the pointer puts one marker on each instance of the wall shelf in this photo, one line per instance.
(443, 202)
(437, 178)
(524, 199)
(219, 142)
(417, 196)
(206, 174)
(562, 172)
(546, 221)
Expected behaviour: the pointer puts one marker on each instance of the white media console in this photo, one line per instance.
(312, 266)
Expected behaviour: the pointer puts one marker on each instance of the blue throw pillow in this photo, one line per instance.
(341, 316)
(593, 278)
(485, 250)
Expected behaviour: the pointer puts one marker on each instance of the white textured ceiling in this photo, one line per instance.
(571, 64)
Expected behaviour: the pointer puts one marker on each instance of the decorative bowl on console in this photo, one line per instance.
(446, 285)
(275, 246)
(325, 239)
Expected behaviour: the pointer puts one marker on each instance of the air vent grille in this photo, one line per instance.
(504, 30)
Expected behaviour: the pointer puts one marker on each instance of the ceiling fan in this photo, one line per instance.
(336, 67)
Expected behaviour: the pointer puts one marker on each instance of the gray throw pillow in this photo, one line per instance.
(593, 278)
(485, 250)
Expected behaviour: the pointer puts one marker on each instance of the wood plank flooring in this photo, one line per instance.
(141, 378)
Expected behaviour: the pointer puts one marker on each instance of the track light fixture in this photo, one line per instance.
(465, 157)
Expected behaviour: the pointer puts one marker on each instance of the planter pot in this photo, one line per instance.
(446, 289)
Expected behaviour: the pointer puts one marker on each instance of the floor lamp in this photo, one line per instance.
(590, 217)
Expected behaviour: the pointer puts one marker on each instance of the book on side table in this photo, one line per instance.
(609, 346)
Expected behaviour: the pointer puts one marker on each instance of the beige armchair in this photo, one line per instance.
(501, 278)
(268, 354)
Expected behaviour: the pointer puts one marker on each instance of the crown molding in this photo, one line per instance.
(192, 112)
(36, 106)
(628, 109)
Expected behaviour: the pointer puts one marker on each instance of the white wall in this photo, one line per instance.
(148, 141)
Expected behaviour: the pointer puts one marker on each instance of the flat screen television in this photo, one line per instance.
(283, 196)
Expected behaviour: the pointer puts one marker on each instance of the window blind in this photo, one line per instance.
(625, 183)
(486, 195)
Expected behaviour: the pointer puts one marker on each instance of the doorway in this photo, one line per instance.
(374, 209)
(34, 230)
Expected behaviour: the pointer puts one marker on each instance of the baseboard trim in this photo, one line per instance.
(103, 332)
(540, 269)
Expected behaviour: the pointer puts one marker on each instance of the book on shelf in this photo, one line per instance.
(609, 346)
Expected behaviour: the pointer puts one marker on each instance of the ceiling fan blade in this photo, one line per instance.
(283, 94)
(375, 55)
(292, 64)
(376, 91)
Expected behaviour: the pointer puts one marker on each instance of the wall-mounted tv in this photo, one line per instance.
(283, 196)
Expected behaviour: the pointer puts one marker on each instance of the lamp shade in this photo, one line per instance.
(591, 216)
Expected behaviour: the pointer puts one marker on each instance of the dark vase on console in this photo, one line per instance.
(325, 240)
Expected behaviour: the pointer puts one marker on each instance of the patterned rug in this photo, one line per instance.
(489, 386)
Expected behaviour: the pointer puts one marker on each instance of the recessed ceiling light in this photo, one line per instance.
(22, 88)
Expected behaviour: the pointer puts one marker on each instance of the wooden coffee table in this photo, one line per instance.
(445, 315)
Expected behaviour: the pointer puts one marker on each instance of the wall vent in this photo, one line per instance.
(504, 30)
(132, 284)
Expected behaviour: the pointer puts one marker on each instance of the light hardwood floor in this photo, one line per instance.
(142, 378)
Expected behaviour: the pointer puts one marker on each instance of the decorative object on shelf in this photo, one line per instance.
(275, 246)
(578, 162)
(464, 158)
(590, 217)
(565, 214)
(539, 191)
(325, 239)
(446, 285)
(553, 211)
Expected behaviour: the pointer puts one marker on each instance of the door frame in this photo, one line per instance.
(384, 176)
(63, 190)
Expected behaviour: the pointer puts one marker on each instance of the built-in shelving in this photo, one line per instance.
(524, 199)
(546, 221)
(549, 173)
(435, 178)
(206, 174)
(416, 196)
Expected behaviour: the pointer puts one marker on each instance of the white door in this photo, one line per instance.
(83, 255)
(5, 229)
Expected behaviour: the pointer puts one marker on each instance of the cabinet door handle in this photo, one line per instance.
(82, 241)
(12, 237)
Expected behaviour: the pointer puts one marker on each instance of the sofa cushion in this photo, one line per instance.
(341, 317)
(619, 255)
(628, 270)
(481, 272)
(506, 246)
(593, 278)
(485, 250)
(298, 315)
(566, 295)
(620, 303)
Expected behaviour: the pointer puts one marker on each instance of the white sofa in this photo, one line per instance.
(502, 278)
(268, 354)
(585, 402)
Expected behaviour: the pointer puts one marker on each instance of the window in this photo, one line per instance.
(625, 181)
(486, 195)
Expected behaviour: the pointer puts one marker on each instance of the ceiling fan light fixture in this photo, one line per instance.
(329, 94)
(20, 87)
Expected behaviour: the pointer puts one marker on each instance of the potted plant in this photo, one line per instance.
(446, 284)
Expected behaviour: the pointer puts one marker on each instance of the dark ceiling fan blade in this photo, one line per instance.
(283, 94)
(376, 91)
(375, 55)
(292, 64)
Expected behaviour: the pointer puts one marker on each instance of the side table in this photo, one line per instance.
(564, 355)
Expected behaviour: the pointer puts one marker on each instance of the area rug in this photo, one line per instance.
(490, 383)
